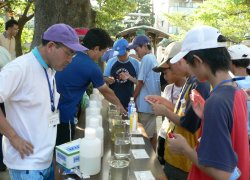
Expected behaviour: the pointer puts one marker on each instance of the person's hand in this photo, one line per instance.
(197, 103)
(124, 76)
(159, 109)
(22, 146)
(121, 110)
(110, 80)
(178, 144)
(154, 99)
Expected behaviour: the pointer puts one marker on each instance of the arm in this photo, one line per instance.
(22, 146)
(178, 144)
(126, 75)
(109, 80)
(138, 87)
(111, 97)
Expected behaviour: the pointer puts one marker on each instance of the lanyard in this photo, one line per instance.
(45, 66)
(226, 81)
(172, 94)
(51, 92)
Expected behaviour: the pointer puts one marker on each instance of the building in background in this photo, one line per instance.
(162, 7)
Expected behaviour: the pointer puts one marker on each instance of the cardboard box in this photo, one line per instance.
(68, 154)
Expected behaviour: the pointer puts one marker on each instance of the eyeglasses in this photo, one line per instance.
(66, 50)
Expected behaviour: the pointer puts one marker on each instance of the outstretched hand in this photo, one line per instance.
(197, 103)
(177, 144)
(22, 146)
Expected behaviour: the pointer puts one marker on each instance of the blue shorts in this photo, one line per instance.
(46, 174)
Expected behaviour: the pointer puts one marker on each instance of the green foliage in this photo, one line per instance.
(143, 6)
(231, 17)
(111, 13)
(27, 36)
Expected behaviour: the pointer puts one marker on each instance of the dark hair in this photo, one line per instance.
(241, 63)
(248, 71)
(215, 58)
(45, 42)
(148, 46)
(10, 23)
(97, 37)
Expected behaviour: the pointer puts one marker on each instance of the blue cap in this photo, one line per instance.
(139, 40)
(108, 55)
(120, 47)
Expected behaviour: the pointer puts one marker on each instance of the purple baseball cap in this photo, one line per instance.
(64, 34)
(139, 40)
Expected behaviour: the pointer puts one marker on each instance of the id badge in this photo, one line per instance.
(54, 119)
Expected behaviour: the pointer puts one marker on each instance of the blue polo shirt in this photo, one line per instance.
(73, 81)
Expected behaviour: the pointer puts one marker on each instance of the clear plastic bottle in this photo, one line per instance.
(90, 153)
(131, 105)
(133, 121)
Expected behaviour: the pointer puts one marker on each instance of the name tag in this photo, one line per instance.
(54, 119)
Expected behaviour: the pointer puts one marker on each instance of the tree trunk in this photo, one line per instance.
(76, 13)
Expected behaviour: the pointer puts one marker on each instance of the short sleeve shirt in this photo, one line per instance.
(73, 81)
(151, 82)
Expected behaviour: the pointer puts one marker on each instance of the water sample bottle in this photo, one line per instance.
(90, 153)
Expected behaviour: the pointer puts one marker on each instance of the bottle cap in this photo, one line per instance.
(131, 98)
(90, 133)
(95, 91)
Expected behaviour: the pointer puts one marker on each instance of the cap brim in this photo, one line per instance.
(158, 69)
(178, 57)
(120, 53)
(132, 46)
(76, 47)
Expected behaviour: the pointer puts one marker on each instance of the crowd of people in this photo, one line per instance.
(205, 132)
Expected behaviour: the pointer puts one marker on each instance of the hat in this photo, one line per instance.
(120, 47)
(81, 32)
(139, 40)
(108, 55)
(171, 50)
(64, 34)
(202, 37)
(239, 51)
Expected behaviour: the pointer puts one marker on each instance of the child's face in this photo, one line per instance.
(169, 74)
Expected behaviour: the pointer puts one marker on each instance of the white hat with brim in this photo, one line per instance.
(202, 37)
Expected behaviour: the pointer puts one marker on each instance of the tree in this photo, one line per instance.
(144, 7)
(231, 18)
(110, 14)
(23, 11)
(76, 13)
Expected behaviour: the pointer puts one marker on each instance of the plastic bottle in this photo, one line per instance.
(131, 105)
(90, 153)
(95, 123)
(92, 105)
(133, 121)
(93, 112)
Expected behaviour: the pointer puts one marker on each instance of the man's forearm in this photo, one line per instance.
(5, 127)
(138, 87)
(173, 117)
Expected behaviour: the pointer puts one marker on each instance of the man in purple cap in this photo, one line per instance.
(148, 84)
(28, 89)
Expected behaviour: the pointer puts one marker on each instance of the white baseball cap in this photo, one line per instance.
(239, 51)
(202, 37)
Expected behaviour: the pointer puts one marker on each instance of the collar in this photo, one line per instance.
(39, 58)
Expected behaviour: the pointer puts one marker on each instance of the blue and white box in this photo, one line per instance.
(68, 154)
